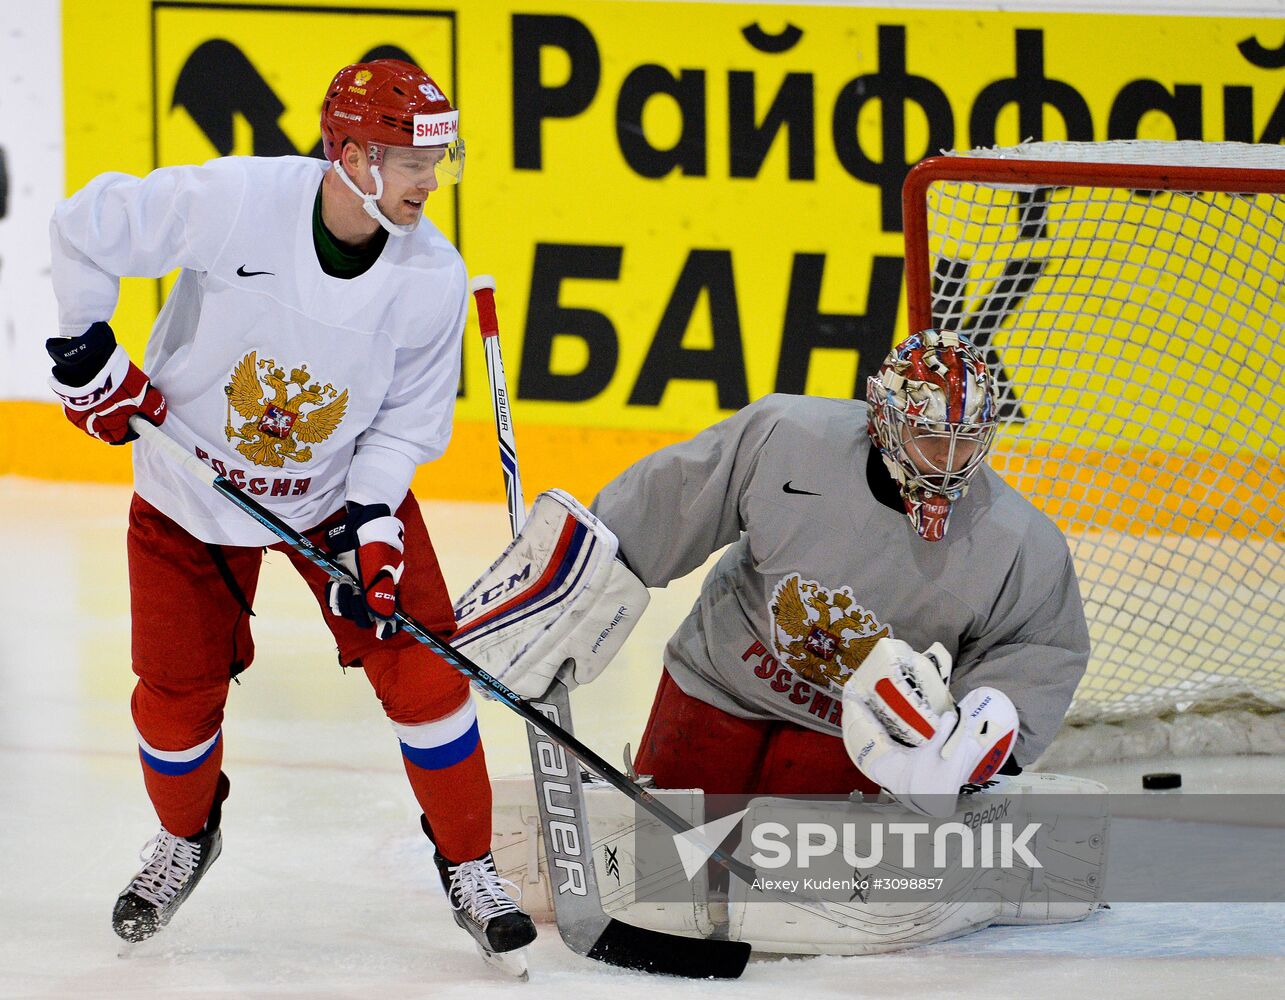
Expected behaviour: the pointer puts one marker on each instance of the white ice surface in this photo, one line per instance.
(326, 888)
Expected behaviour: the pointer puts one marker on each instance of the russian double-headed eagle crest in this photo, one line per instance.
(823, 635)
(274, 405)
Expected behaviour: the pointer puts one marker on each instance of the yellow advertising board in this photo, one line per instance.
(686, 206)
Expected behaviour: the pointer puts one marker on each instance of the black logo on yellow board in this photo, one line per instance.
(218, 82)
(232, 70)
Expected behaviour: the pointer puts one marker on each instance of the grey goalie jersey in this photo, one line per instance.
(818, 569)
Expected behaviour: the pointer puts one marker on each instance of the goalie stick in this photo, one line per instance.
(577, 904)
(636, 948)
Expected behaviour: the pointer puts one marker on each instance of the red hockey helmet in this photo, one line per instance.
(388, 102)
(933, 416)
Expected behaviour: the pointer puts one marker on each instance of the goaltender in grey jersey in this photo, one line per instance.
(822, 562)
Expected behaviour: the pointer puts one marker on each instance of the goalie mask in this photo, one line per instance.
(933, 418)
(384, 105)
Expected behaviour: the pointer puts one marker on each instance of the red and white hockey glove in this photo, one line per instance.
(902, 728)
(367, 543)
(100, 387)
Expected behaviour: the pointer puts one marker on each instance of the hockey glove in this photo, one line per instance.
(367, 543)
(902, 728)
(100, 387)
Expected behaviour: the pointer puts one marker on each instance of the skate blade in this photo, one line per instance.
(511, 963)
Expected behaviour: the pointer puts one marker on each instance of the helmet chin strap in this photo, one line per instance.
(369, 202)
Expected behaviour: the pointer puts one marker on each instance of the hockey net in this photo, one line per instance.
(1129, 297)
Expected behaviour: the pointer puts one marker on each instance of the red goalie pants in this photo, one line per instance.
(190, 609)
(690, 744)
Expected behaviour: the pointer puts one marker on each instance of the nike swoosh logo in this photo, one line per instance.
(243, 273)
(789, 488)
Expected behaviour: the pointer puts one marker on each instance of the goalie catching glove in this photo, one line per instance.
(902, 728)
(556, 604)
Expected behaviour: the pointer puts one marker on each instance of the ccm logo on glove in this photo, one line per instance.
(367, 543)
(100, 387)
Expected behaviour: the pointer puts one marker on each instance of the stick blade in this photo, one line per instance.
(643, 950)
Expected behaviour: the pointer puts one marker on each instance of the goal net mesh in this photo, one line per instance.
(1136, 332)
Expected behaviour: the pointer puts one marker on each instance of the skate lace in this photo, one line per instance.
(479, 889)
(170, 863)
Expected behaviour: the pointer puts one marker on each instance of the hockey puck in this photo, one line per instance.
(1161, 780)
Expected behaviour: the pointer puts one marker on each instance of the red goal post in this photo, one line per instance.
(1130, 297)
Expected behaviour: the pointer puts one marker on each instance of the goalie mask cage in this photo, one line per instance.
(1129, 298)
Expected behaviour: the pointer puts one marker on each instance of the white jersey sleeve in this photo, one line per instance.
(123, 226)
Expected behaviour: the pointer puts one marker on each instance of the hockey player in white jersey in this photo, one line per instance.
(309, 351)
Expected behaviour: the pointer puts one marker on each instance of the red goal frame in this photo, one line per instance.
(1047, 173)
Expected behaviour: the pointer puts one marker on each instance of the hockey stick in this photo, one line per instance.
(693, 957)
(577, 903)
(483, 289)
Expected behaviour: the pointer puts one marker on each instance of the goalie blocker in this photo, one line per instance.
(556, 604)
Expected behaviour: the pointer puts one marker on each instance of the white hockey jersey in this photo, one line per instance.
(304, 389)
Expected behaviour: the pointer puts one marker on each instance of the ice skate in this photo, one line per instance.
(174, 865)
(483, 906)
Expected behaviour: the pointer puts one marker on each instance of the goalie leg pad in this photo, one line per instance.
(855, 926)
(670, 904)
(1065, 890)
(1068, 887)
(557, 603)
